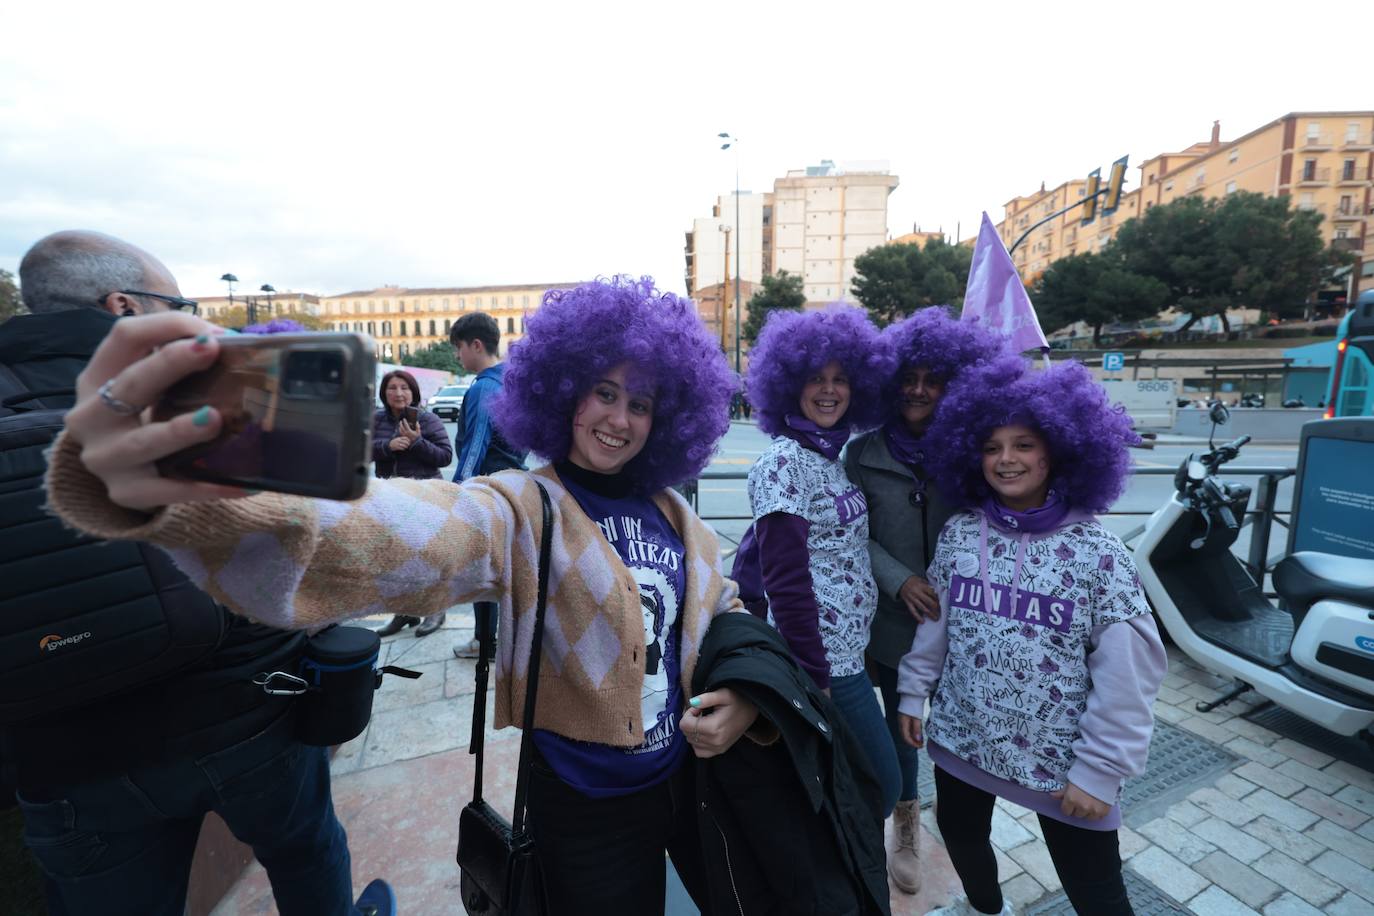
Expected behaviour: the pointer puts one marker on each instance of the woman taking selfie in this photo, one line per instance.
(635, 576)
(408, 441)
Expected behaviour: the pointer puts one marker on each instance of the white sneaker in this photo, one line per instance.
(961, 907)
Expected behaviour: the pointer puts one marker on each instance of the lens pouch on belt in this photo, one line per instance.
(337, 680)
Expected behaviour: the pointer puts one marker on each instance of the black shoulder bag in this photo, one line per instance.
(499, 869)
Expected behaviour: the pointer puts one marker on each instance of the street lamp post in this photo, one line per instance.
(724, 284)
(732, 141)
(269, 290)
(231, 280)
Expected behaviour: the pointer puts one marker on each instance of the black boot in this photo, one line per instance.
(397, 624)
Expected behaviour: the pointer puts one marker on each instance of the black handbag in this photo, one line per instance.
(499, 869)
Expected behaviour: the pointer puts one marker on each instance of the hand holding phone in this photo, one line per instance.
(296, 415)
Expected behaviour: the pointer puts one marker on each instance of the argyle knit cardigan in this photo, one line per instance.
(420, 546)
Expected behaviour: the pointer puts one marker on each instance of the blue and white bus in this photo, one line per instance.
(1352, 377)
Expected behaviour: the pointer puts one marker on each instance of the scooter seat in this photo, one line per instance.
(1304, 578)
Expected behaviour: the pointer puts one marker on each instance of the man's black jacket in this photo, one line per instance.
(794, 827)
(202, 709)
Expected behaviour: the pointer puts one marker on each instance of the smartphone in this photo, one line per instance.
(297, 412)
(412, 416)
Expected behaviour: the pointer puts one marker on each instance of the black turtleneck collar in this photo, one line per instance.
(607, 486)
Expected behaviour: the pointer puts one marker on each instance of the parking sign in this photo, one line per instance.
(1113, 362)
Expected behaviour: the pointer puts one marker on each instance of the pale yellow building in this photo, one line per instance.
(278, 306)
(1322, 160)
(405, 320)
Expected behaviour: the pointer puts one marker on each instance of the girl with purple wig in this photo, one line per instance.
(622, 389)
(1045, 660)
(932, 352)
(813, 378)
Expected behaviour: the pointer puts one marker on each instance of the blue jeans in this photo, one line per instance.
(854, 696)
(123, 845)
(907, 756)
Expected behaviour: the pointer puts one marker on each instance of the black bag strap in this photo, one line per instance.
(479, 713)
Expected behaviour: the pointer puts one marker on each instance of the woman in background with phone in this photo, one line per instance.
(408, 442)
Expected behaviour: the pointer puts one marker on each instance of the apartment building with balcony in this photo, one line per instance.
(1322, 160)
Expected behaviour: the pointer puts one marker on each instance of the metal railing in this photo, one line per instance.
(1261, 515)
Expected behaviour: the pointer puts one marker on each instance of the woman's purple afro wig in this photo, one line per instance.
(793, 346)
(578, 335)
(933, 339)
(1087, 436)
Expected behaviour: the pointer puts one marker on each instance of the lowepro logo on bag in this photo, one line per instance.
(53, 642)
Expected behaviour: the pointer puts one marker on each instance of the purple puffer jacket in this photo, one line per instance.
(430, 454)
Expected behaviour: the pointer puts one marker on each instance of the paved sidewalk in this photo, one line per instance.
(1277, 828)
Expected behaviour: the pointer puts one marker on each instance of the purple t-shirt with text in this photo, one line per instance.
(653, 552)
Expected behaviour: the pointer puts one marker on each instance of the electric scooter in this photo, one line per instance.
(1315, 658)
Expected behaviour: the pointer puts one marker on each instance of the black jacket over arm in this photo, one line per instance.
(794, 827)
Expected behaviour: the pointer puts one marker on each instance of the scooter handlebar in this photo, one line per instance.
(1224, 453)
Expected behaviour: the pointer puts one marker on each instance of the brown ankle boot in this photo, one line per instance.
(904, 862)
(397, 624)
(430, 624)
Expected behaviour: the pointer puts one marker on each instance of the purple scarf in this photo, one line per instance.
(826, 441)
(902, 445)
(1032, 521)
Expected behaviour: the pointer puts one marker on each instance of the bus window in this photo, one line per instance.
(1354, 394)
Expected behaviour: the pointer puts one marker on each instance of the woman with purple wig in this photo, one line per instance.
(625, 393)
(932, 352)
(1045, 661)
(813, 378)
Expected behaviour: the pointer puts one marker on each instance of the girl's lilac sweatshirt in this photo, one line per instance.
(1043, 666)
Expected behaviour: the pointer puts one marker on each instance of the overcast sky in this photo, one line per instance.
(332, 146)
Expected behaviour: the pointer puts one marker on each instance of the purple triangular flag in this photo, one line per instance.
(996, 295)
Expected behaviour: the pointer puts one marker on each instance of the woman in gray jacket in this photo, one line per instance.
(905, 518)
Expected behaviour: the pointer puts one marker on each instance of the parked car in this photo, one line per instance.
(447, 402)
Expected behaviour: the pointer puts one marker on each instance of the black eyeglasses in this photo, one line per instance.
(175, 302)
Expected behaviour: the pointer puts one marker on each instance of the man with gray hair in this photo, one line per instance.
(114, 790)
(75, 284)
